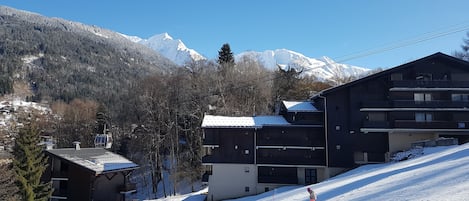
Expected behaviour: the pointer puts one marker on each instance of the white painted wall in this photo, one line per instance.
(231, 180)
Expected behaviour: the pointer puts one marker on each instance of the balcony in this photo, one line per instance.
(59, 175)
(277, 180)
(415, 104)
(60, 194)
(431, 124)
(376, 124)
(430, 84)
(291, 157)
(412, 124)
(238, 158)
(301, 142)
(128, 188)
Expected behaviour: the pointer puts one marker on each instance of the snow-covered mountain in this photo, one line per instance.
(174, 50)
(323, 68)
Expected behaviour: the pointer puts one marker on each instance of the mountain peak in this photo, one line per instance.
(174, 50)
(324, 68)
(160, 37)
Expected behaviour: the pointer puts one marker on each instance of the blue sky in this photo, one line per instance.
(367, 33)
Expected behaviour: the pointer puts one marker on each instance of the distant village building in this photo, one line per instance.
(89, 174)
(361, 122)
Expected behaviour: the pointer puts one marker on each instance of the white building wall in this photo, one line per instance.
(402, 141)
(232, 181)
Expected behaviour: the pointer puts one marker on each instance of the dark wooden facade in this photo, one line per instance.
(72, 181)
(277, 150)
(430, 95)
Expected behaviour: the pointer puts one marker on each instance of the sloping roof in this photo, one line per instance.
(211, 121)
(98, 160)
(296, 106)
(394, 69)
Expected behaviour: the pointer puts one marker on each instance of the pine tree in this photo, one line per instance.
(464, 54)
(225, 59)
(29, 164)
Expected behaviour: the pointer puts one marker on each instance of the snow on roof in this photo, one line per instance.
(295, 106)
(242, 122)
(95, 159)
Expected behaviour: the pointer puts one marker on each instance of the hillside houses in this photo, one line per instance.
(364, 121)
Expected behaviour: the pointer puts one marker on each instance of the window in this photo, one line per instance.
(423, 117)
(376, 116)
(396, 76)
(424, 76)
(460, 76)
(420, 97)
(246, 189)
(460, 97)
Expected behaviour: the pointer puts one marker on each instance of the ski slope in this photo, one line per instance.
(441, 173)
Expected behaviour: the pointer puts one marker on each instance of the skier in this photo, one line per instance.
(312, 195)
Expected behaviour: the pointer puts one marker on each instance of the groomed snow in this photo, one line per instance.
(442, 173)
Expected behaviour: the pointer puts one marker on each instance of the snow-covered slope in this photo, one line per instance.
(174, 50)
(442, 173)
(323, 68)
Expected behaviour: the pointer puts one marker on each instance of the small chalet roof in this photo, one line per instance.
(211, 121)
(98, 160)
(297, 106)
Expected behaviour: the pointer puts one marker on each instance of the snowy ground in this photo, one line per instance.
(441, 173)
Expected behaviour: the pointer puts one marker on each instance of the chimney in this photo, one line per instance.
(77, 145)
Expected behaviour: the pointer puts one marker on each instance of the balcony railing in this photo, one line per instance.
(415, 104)
(317, 142)
(430, 83)
(431, 124)
(216, 158)
(61, 175)
(60, 193)
(417, 124)
(376, 124)
(128, 188)
(277, 180)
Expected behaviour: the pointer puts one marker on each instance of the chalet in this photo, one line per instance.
(257, 154)
(388, 111)
(364, 121)
(88, 174)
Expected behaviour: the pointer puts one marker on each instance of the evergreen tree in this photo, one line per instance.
(29, 164)
(464, 54)
(225, 59)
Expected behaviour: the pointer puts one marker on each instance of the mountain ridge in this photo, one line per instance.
(324, 68)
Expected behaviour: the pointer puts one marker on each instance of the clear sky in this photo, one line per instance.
(367, 33)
